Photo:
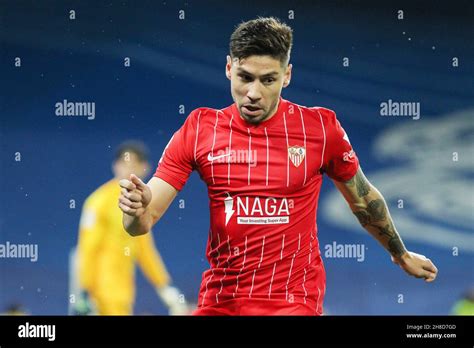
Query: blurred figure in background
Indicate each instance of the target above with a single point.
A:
(106, 253)
(465, 305)
(15, 309)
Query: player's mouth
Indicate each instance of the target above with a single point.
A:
(251, 110)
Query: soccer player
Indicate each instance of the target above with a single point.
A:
(107, 254)
(263, 159)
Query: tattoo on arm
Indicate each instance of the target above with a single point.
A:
(387, 230)
(363, 217)
(361, 184)
(376, 210)
(374, 216)
(395, 244)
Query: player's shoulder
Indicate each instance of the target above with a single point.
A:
(206, 113)
(320, 113)
(202, 111)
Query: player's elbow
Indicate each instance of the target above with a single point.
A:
(358, 206)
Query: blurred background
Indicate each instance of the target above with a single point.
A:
(176, 54)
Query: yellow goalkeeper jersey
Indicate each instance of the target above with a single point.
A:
(107, 253)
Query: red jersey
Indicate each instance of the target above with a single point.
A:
(263, 183)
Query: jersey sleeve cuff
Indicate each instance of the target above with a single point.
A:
(347, 175)
(176, 183)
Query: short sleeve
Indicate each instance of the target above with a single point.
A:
(177, 161)
(340, 162)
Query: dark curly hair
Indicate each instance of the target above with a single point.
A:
(262, 36)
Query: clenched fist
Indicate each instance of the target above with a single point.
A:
(417, 265)
(135, 196)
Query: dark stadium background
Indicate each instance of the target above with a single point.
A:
(181, 62)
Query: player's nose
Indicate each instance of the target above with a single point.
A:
(254, 93)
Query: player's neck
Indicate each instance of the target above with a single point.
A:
(273, 112)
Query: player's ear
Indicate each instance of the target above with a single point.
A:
(228, 66)
(287, 76)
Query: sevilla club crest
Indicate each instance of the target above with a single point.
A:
(296, 154)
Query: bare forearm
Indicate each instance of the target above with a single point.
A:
(375, 217)
(144, 204)
(137, 226)
(372, 212)
(369, 206)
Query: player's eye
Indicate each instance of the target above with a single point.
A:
(269, 80)
(245, 78)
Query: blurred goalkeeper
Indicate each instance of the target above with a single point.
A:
(106, 253)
